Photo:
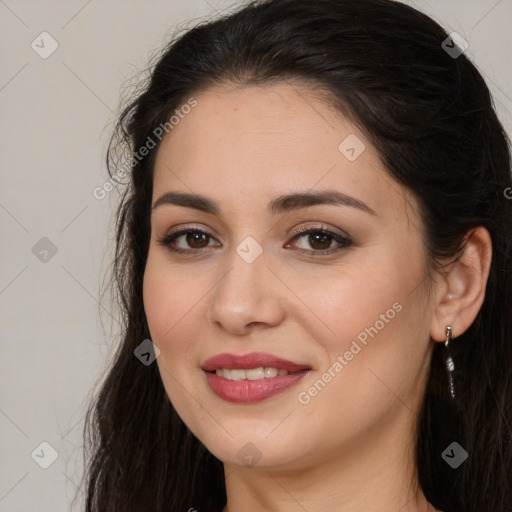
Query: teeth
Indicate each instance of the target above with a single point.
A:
(270, 372)
(254, 374)
(250, 374)
(236, 374)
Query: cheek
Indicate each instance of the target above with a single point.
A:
(174, 303)
(355, 305)
(373, 333)
(167, 304)
(159, 305)
(169, 296)
(373, 301)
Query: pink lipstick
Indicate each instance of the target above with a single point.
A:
(251, 377)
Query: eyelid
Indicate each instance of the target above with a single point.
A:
(319, 227)
(191, 227)
(293, 232)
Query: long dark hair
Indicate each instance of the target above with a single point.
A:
(430, 115)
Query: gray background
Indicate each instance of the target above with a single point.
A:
(56, 116)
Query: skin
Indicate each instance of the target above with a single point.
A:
(351, 447)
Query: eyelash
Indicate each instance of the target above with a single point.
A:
(344, 241)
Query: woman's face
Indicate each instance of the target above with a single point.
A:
(349, 308)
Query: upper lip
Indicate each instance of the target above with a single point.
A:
(252, 360)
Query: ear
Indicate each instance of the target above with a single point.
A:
(461, 288)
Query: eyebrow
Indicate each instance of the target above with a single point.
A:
(279, 205)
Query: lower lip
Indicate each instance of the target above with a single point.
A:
(250, 391)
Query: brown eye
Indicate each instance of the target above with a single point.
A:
(320, 240)
(193, 240)
(196, 239)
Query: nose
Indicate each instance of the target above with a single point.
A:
(247, 295)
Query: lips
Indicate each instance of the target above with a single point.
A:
(246, 390)
(252, 360)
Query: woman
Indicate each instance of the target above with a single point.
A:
(316, 248)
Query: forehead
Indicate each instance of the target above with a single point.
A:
(256, 121)
(239, 144)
